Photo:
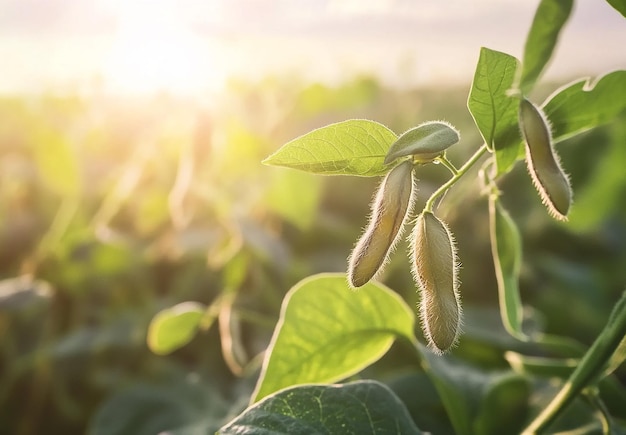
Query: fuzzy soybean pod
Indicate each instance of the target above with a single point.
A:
(435, 268)
(543, 163)
(390, 208)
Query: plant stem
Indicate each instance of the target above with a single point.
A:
(448, 164)
(589, 369)
(459, 173)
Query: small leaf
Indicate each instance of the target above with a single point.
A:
(550, 17)
(174, 327)
(361, 407)
(493, 110)
(584, 105)
(507, 254)
(354, 147)
(425, 142)
(327, 332)
(619, 5)
(541, 366)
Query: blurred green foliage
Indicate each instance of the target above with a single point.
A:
(111, 211)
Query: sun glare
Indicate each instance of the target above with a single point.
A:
(155, 49)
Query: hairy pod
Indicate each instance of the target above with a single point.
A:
(435, 268)
(543, 163)
(389, 211)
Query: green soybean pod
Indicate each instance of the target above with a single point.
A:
(435, 269)
(390, 209)
(543, 163)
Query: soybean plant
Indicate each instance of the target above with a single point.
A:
(328, 332)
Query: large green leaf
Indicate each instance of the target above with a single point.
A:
(354, 147)
(327, 332)
(174, 327)
(507, 254)
(542, 38)
(493, 110)
(619, 5)
(361, 407)
(584, 104)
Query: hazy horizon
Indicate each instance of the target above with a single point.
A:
(192, 47)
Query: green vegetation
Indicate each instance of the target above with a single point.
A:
(157, 278)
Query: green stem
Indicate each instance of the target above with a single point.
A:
(587, 371)
(448, 164)
(459, 173)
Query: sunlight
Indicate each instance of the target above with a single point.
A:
(155, 49)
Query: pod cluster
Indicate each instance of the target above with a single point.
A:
(434, 260)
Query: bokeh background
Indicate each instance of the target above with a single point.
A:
(131, 136)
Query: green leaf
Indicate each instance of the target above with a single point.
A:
(361, 407)
(426, 141)
(419, 395)
(507, 255)
(619, 5)
(541, 366)
(504, 405)
(584, 104)
(459, 386)
(550, 17)
(355, 147)
(174, 327)
(327, 332)
(617, 359)
(493, 110)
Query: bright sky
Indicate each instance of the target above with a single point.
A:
(192, 46)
